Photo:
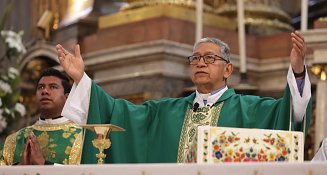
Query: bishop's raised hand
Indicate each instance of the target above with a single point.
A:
(298, 52)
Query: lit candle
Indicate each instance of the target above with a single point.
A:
(241, 35)
(198, 21)
(304, 15)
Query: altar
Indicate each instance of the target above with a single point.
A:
(306, 168)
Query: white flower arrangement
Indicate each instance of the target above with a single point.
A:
(13, 48)
(9, 95)
(14, 40)
(10, 108)
(20, 108)
(5, 88)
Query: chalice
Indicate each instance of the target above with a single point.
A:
(102, 141)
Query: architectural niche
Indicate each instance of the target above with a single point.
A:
(38, 58)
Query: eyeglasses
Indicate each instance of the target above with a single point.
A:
(208, 59)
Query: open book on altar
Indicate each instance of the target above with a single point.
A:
(221, 144)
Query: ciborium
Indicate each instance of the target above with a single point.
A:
(102, 141)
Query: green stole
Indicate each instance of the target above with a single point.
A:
(205, 116)
(60, 143)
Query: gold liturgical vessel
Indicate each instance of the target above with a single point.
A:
(102, 141)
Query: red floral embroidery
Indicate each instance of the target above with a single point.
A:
(228, 148)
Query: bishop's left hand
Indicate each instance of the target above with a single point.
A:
(298, 52)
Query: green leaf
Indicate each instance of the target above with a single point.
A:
(5, 14)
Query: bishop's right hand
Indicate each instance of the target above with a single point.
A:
(72, 64)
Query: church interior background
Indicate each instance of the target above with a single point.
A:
(137, 49)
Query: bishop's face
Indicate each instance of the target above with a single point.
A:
(209, 76)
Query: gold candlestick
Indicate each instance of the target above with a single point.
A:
(102, 141)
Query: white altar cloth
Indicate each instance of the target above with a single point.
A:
(306, 168)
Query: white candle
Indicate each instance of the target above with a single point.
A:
(304, 15)
(198, 21)
(241, 35)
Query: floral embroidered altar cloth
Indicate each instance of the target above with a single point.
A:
(222, 144)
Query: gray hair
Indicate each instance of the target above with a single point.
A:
(224, 48)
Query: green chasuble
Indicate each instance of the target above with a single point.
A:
(60, 143)
(156, 130)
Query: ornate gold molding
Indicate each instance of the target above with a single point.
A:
(133, 4)
(324, 19)
(164, 10)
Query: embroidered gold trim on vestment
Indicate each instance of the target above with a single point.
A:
(9, 148)
(187, 144)
(53, 127)
(75, 154)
